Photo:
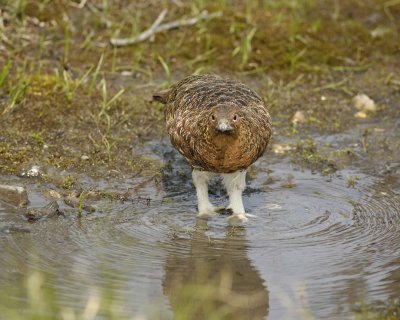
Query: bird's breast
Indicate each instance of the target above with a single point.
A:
(225, 153)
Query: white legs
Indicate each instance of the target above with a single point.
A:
(234, 183)
(200, 181)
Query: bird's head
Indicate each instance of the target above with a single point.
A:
(225, 119)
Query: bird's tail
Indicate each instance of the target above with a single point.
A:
(162, 96)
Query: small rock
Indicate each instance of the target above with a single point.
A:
(379, 32)
(50, 210)
(299, 117)
(53, 194)
(363, 103)
(281, 148)
(14, 195)
(71, 201)
(126, 73)
(360, 115)
(32, 172)
(85, 157)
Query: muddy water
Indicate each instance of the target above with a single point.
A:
(315, 247)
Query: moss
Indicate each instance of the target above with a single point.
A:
(293, 52)
(307, 154)
(68, 182)
(344, 153)
(378, 310)
(352, 181)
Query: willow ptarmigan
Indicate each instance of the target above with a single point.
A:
(221, 127)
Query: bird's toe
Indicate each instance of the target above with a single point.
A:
(210, 211)
(207, 212)
(219, 209)
(237, 219)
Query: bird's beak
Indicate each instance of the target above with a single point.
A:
(224, 126)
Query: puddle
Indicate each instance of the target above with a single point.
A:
(315, 246)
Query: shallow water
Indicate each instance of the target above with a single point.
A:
(316, 247)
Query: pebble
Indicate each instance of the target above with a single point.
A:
(34, 171)
(299, 117)
(360, 115)
(14, 195)
(281, 148)
(50, 210)
(364, 104)
(380, 32)
(126, 73)
(53, 194)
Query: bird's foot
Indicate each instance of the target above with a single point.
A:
(210, 211)
(239, 218)
(237, 215)
(235, 209)
(219, 209)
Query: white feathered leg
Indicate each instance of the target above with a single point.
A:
(200, 181)
(235, 183)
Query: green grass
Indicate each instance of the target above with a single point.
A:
(292, 52)
(352, 181)
(4, 72)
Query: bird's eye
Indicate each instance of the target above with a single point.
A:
(235, 117)
(212, 117)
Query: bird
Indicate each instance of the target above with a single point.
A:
(221, 127)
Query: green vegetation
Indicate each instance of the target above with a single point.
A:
(68, 182)
(352, 181)
(389, 310)
(307, 154)
(85, 96)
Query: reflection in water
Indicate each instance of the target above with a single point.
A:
(322, 246)
(215, 279)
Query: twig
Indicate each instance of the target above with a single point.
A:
(144, 35)
(188, 22)
(1, 20)
(79, 5)
(157, 27)
(96, 11)
(82, 4)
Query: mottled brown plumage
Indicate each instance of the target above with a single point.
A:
(218, 125)
(221, 127)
